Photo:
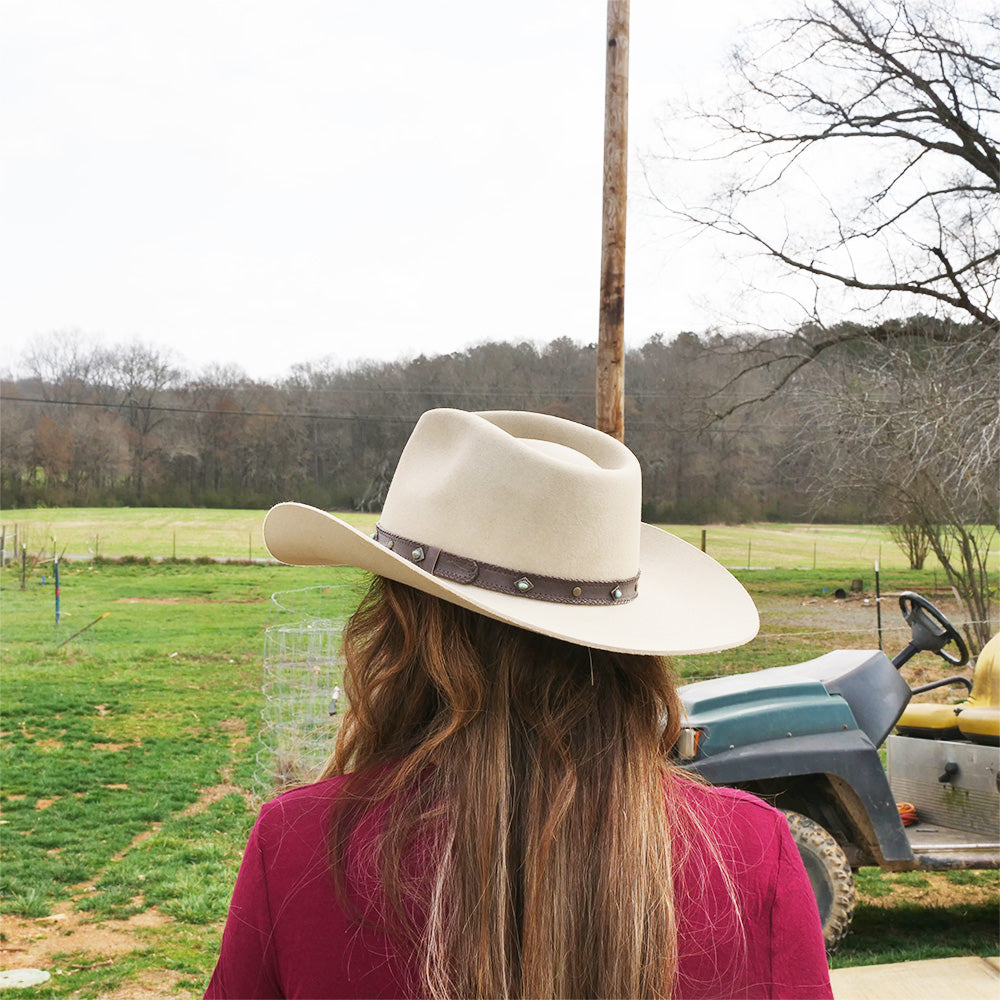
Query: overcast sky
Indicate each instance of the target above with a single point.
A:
(262, 183)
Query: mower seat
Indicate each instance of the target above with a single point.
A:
(932, 722)
(976, 719)
(979, 715)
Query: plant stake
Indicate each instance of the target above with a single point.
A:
(84, 629)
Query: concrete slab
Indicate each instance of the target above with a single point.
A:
(941, 978)
(16, 978)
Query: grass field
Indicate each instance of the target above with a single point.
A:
(130, 755)
(189, 533)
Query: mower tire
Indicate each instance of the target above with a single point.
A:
(830, 875)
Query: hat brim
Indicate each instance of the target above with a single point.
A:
(687, 602)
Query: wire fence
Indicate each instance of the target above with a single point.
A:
(301, 686)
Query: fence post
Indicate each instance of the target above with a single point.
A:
(878, 600)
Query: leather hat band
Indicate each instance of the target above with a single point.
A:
(459, 569)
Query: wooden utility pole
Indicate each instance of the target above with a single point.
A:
(611, 328)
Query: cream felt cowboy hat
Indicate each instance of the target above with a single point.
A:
(532, 520)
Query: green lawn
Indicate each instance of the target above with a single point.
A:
(155, 532)
(129, 752)
(130, 755)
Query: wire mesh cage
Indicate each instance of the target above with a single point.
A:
(302, 684)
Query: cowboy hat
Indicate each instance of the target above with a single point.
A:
(532, 520)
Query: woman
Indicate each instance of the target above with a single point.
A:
(500, 817)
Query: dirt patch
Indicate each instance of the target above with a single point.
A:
(138, 839)
(46, 803)
(855, 613)
(937, 892)
(31, 944)
(209, 796)
(237, 729)
(147, 986)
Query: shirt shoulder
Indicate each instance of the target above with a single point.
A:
(717, 805)
(303, 804)
(728, 830)
(291, 831)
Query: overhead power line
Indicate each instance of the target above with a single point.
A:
(157, 408)
(387, 418)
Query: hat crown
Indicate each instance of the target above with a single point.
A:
(522, 490)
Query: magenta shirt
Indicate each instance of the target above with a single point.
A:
(288, 936)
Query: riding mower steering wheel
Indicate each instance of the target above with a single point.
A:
(930, 631)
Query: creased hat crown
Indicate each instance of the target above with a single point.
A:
(525, 490)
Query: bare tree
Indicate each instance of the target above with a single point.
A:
(912, 430)
(138, 376)
(912, 540)
(861, 148)
(63, 363)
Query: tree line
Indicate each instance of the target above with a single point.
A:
(90, 426)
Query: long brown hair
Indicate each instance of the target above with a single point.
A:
(532, 771)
